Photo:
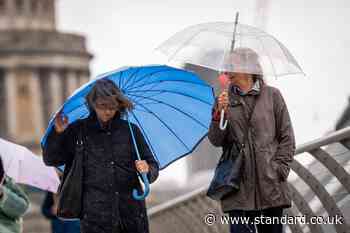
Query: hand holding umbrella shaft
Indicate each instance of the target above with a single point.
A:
(223, 101)
(142, 166)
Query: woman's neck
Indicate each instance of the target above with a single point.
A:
(104, 125)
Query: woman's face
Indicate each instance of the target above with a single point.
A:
(106, 109)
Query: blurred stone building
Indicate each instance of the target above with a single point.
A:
(39, 68)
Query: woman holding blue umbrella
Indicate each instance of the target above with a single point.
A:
(109, 166)
(153, 114)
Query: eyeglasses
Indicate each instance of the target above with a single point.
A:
(104, 107)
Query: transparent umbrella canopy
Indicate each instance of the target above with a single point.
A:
(231, 47)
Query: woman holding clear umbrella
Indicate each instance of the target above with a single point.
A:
(248, 113)
(268, 147)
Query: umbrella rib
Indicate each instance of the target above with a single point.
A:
(76, 108)
(277, 74)
(159, 71)
(156, 92)
(120, 77)
(177, 109)
(165, 124)
(145, 135)
(273, 67)
(173, 92)
(183, 81)
(131, 78)
(180, 47)
(148, 75)
(284, 52)
(151, 95)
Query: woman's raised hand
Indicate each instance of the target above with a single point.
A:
(61, 122)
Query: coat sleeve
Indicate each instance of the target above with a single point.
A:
(285, 137)
(14, 202)
(216, 136)
(147, 155)
(59, 148)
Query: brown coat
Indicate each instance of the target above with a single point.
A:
(263, 184)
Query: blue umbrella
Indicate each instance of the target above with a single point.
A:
(172, 110)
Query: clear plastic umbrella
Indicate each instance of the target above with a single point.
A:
(231, 47)
(210, 45)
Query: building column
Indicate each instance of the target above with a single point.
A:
(11, 11)
(83, 78)
(3, 104)
(25, 106)
(10, 85)
(34, 89)
(55, 86)
(72, 82)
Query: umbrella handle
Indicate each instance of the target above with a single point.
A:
(145, 181)
(222, 124)
(135, 193)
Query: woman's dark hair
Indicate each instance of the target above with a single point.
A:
(2, 170)
(107, 89)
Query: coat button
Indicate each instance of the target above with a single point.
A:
(112, 162)
(108, 133)
(117, 193)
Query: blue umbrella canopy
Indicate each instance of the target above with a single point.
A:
(172, 108)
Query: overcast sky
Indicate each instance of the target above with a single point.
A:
(125, 32)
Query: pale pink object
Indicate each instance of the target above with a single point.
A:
(25, 167)
(224, 82)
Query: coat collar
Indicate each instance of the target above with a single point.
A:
(95, 124)
(235, 97)
(255, 90)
